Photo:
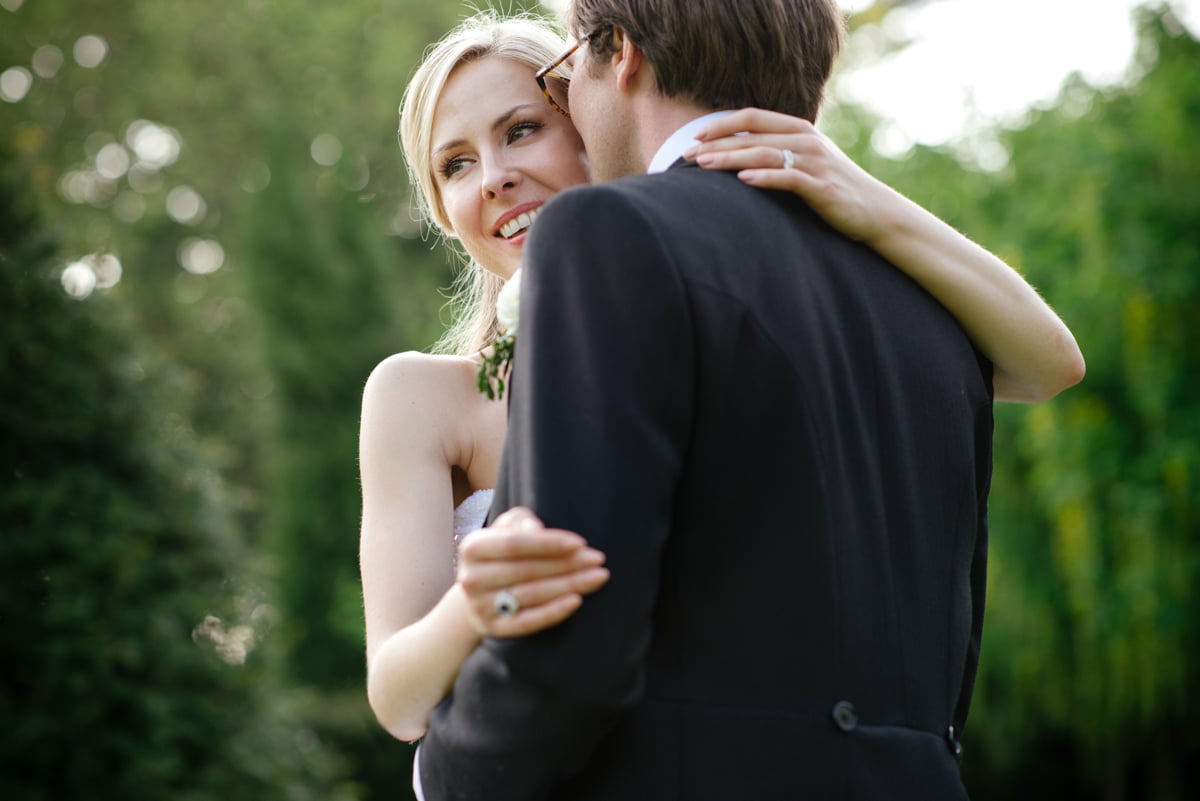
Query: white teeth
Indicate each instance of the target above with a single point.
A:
(518, 224)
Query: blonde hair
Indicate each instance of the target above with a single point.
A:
(525, 39)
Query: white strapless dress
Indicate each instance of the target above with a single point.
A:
(470, 514)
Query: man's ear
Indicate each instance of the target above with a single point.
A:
(627, 60)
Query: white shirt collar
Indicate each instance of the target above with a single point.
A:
(681, 140)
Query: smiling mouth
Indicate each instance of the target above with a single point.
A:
(519, 224)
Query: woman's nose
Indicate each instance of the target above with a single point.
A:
(498, 178)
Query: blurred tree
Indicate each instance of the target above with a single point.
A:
(144, 124)
(147, 128)
(1091, 662)
(132, 615)
(324, 284)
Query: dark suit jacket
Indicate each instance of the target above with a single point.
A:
(783, 445)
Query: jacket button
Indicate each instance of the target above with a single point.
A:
(953, 742)
(844, 716)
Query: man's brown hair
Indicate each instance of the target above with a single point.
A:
(724, 54)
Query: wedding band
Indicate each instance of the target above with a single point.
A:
(506, 604)
(789, 159)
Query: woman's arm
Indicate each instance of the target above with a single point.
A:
(1034, 353)
(421, 623)
(418, 633)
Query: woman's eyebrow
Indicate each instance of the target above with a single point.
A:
(499, 122)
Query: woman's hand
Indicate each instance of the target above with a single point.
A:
(545, 571)
(1034, 353)
(843, 193)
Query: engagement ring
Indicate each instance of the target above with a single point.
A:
(506, 604)
(789, 159)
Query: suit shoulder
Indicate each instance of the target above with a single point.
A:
(603, 219)
(641, 193)
(582, 203)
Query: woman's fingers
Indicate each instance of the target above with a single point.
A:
(521, 577)
(840, 191)
(536, 604)
(505, 543)
(752, 158)
(530, 621)
(529, 594)
(518, 517)
(756, 120)
(762, 167)
(518, 534)
(810, 159)
(804, 146)
(483, 575)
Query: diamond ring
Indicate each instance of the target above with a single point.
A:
(506, 604)
(789, 159)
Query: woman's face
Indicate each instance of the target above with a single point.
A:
(499, 152)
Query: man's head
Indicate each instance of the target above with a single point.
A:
(722, 54)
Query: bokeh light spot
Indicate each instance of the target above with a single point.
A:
(990, 155)
(184, 205)
(154, 145)
(112, 161)
(326, 150)
(357, 178)
(201, 256)
(90, 51)
(76, 186)
(47, 61)
(79, 280)
(231, 643)
(15, 83)
(221, 313)
(11, 5)
(892, 140)
(107, 268)
(102, 191)
(255, 177)
(96, 141)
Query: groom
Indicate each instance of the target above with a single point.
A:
(781, 443)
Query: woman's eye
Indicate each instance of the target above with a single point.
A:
(522, 130)
(452, 167)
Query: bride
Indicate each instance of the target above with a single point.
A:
(486, 149)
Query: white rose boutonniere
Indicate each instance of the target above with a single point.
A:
(498, 364)
(508, 305)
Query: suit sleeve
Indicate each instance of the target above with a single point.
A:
(600, 415)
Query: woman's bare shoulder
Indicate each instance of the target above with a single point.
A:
(417, 397)
(417, 374)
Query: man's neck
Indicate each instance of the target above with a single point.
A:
(658, 118)
(678, 142)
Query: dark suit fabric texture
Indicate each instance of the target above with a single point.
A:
(783, 446)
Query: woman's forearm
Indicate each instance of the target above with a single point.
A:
(1034, 353)
(415, 668)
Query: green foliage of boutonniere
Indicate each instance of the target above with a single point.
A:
(497, 365)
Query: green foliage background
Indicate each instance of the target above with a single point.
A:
(179, 607)
(128, 595)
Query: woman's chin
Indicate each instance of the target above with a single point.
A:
(505, 268)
